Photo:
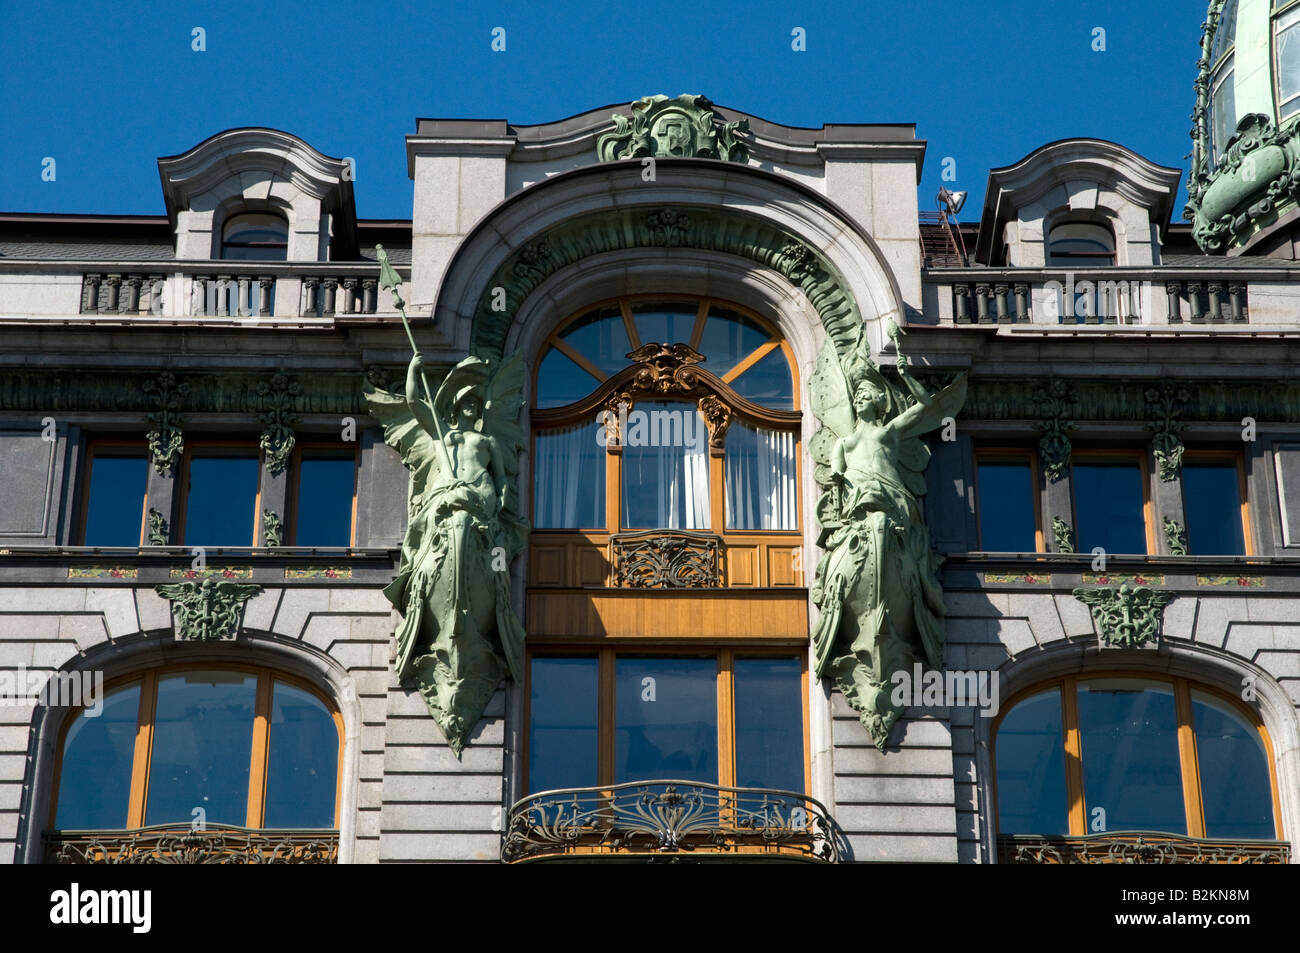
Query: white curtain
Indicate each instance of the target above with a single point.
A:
(760, 475)
(569, 479)
(666, 468)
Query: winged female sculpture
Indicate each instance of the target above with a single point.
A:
(459, 635)
(876, 587)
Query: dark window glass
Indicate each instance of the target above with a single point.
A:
(768, 382)
(666, 723)
(1236, 793)
(560, 381)
(115, 507)
(1131, 768)
(1212, 507)
(1031, 768)
(1223, 111)
(1082, 244)
(1108, 506)
(769, 723)
(728, 336)
(665, 467)
(202, 746)
(219, 510)
(325, 486)
(1007, 499)
(255, 237)
(601, 337)
(302, 760)
(664, 323)
(98, 754)
(562, 739)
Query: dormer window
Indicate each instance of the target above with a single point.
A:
(1080, 245)
(255, 236)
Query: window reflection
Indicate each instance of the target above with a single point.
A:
(1109, 505)
(116, 498)
(1007, 501)
(1212, 508)
(666, 722)
(324, 504)
(302, 760)
(95, 778)
(562, 737)
(1236, 789)
(769, 723)
(221, 502)
(1031, 768)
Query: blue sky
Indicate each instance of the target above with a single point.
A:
(107, 88)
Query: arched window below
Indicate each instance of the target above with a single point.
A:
(1122, 756)
(255, 236)
(229, 750)
(1080, 245)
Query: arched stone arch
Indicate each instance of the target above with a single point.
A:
(691, 208)
(126, 655)
(1175, 657)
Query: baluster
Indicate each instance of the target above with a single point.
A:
(1194, 302)
(113, 283)
(982, 303)
(131, 300)
(1000, 302)
(349, 296)
(265, 291)
(1236, 300)
(309, 286)
(1021, 291)
(1174, 296)
(90, 294)
(331, 289)
(1216, 307)
(369, 287)
(199, 295)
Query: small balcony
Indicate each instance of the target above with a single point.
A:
(180, 844)
(1138, 847)
(669, 821)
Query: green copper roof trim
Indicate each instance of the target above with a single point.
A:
(1257, 178)
(681, 128)
(687, 227)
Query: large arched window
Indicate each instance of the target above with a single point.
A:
(666, 414)
(1116, 754)
(199, 746)
(255, 236)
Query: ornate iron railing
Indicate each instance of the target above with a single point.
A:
(1138, 847)
(670, 820)
(178, 844)
(675, 559)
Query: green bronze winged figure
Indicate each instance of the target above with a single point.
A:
(459, 634)
(876, 587)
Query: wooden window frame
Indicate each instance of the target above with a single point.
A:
(1236, 457)
(139, 790)
(1148, 507)
(1011, 454)
(202, 448)
(320, 450)
(606, 656)
(93, 448)
(613, 455)
(1066, 688)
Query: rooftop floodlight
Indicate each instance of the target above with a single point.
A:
(952, 201)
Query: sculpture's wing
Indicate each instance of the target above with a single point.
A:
(833, 406)
(238, 591)
(404, 434)
(504, 400)
(913, 454)
(174, 591)
(1092, 597)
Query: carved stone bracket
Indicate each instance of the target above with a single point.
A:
(680, 128)
(1056, 403)
(1063, 535)
(1168, 399)
(272, 529)
(157, 527)
(279, 395)
(208, 610)
(718, 416)
(678, 559)
(166, 441)
(1176, 537)
(1126, 616)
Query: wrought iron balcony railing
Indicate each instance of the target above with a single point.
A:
(1138, 847)
(667, 559)
(652, 820)
(179, 844)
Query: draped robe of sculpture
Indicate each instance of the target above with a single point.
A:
(459, 634)
(876, 587)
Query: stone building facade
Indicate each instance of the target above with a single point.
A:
(1116, 502)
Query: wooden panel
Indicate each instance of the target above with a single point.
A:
(593, 565)
(742, 565)
(780, 566)
(546, 565)
(716, 615)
